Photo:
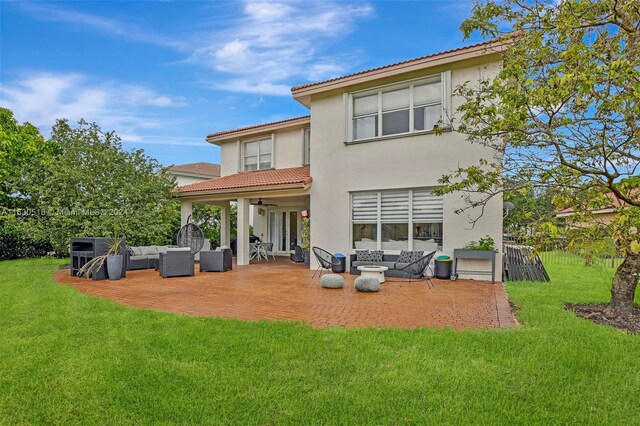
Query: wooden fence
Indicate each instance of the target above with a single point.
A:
(558, 251)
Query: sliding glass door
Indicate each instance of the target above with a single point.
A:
(284, 229)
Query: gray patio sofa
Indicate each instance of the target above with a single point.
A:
(144, 257)
(388, 260)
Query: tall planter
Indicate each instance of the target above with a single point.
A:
(114, 266)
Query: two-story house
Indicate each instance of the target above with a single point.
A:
(363, 164)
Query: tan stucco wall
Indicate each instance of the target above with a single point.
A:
(288, 147)
(288, 152)
(229, 158)
(182, 180)
(405, 162)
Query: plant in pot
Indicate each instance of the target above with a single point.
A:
(484, 244)
(113, 259)
(484, 249)
(305, 245)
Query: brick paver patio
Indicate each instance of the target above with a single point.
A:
(282, 290)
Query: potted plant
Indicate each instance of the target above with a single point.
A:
(483, 249)
(114, 261)
(305, 245)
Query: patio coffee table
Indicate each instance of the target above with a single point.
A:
(373, 271)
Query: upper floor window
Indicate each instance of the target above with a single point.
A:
(306, 147)
(257, 155)
(406, 108)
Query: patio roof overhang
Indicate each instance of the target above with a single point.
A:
(274, 182)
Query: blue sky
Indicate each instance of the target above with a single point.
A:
(165, 74)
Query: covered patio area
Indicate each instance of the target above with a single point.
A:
(282, 290)
(274, 197)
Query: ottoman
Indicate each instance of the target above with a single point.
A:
(367, 284)
(332, 281)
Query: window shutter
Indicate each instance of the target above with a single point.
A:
(427, 207)
(395, 206)
(365, 207)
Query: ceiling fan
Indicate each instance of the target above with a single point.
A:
(261, 204)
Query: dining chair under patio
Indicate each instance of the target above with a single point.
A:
(267, 249)
(325, 260)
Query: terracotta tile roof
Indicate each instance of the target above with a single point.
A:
(201, 168)
(615, 202)
(262, 179)
(407, 62)
(257, 126)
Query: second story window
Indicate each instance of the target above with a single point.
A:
(257, 154)
(399, 109)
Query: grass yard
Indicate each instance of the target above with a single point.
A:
(69, 358)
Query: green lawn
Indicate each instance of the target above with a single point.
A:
(69, 358)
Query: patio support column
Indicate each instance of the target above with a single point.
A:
(225, 224)
(186, 208)
(243, 231)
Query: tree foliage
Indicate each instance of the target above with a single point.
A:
(21, 147)
(208, 218)
(562, 115)
(96, 188)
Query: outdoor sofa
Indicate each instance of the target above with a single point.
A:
(144, 257)
(388, 260)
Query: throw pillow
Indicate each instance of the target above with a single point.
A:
(417, 255)
(363, 256)
(376, 255)
(405, 256)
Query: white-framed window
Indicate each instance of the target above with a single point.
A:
(306, 146)
(403, 219)
(257, 154)
(406, 108)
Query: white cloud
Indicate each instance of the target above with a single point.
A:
(41, 98)
(135, 139)
(266, 50)
(274, 44)
(48, 12)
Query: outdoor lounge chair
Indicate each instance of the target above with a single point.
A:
(176, 263)
(417, 269)
(325, 260)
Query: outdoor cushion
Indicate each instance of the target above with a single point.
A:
(179, 249)
(367, 284)
(147, 250)
(390, 265)
(332, 281)
(162, 249)
(138, 257)
(363, 255)
(376, 255)
(409, 256)
(137, 251)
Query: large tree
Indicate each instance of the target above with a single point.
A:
(22, 148)
(96, 188)
(562, 115)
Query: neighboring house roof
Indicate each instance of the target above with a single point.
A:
(303, 92)
(295, 177)
(259, 128)
(615, 203)
(200, 169)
